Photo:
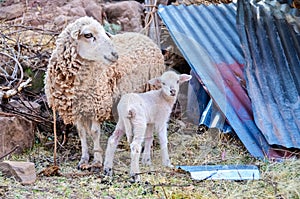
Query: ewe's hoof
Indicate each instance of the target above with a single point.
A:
(96, 167)
(83, 166)
(107, 171)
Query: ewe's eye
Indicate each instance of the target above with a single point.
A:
(177, 81)
(88, 35)
(163, 83)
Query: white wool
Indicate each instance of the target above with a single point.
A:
(88, 71)
(139, 115)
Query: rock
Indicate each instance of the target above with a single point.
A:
(25, 107)
(11, 12)
(78, 8)
(128, 14)
(15, 130)
(24, 172)
(93, 10)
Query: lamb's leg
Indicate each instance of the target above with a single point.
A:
(136, 147)
(83, 164)
(96, 133)
(163, 139)
(146, 158)
(111, 148)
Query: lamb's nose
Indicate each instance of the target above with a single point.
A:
(115, 54)
(173, 92)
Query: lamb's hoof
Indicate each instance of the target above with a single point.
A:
(107, 171)
(83, 166)
(135, 178)
(96, 167)
(170, 166)
(146, 162)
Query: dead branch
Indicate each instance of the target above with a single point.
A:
(17, 65)
(10, 152)
(55, 136)
(11, 92)
(35, 118)
(7, 114)
(32, 28)
(152, 28)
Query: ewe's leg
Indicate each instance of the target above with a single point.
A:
(146, 158)
(136, 147)
(163, 139)
(84, 147)
(111, 148)
(96, 133)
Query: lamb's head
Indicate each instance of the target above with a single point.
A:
(169, 82)
(93, 43)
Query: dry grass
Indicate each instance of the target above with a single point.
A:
(278, 179)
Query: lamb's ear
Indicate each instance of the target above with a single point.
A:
(184, 77)
(155, 81)
(75, 34)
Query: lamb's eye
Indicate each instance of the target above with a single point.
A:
(163, 83)
(108, 34)
(177, 81)
(88, 35)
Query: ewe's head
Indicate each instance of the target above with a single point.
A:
(93, 43)
(169, 82)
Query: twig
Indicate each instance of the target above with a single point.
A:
(164, 192)
(31, 117)
(8, 94)
(10, 152)
(8, 114)
(47, 32)
(28, 188)
(151, 21)
(55, 136)
(18, 64)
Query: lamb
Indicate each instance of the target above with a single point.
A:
(88, 72)
(141, 114)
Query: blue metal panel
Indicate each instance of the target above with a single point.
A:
(220, 172)
(208, 39)
(270, 38)
(213, 117)
(197, 102)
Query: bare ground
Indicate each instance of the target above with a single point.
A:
(186, 146)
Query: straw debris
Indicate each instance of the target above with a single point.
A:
(278, 179)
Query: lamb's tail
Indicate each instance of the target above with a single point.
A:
(131, 114)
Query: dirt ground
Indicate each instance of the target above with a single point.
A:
(186, 146)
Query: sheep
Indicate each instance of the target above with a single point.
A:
(139, 115)
(88, 72)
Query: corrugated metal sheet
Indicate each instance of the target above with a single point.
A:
(202, 110)
(208, 39)
(270, 36)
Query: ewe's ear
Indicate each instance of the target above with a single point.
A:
(155, 81)
(75, 34)
(184, 77)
